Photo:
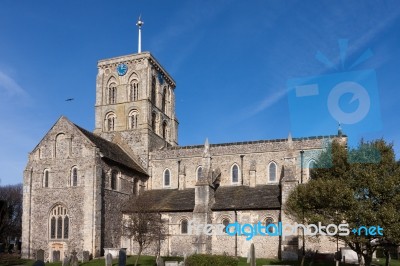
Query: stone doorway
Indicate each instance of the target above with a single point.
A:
(56, 252)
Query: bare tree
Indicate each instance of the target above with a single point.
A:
(143, 226)
(10, 212)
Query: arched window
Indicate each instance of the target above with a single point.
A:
(74, 177)
(225, 222)
(167, 178)
(269, 221)
(153, 121)
(59, 222)
(164, 130)
(110, 121)
(153, 90)
(134, 90)
(66, 227)
(164, 100)
(235, 174)
(53, 227)
(272, 172)
(46, 176)
(59, 227)
(112, 93)
(311, 165)
(199, 172)
(133, 119)
(184, 226)
(114, 180)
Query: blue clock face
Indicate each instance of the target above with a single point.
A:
(122, 69)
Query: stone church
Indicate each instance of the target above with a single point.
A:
(76, 182)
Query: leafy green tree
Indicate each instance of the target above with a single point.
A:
(360, 187)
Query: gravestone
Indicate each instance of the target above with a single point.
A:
(40, 254)
(251, 258)
(171, 263)
(349, 256)
(38, 263)
(85, 256)
(66, 261)
(159, 261)
(74, 259)
(108, 260)
(122, 257)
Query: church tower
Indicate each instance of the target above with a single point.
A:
(135, 103)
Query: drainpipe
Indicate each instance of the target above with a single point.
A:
(179, 170)
(241, 167)
(236, 235)
(301, 162)
(159, 238)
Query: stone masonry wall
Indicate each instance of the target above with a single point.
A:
(61, 149)
(257, 156)
(113, 201)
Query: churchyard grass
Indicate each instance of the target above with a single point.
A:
(150, 261)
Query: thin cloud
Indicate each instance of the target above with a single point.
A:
(10, 87)
(267, 102)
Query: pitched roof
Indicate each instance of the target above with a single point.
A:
(226, 198)
(112, 151)
(165, 200)
(247, 198)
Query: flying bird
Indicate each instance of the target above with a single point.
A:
(70, 99)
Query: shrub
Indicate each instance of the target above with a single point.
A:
(211, 260)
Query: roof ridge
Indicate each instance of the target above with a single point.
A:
(112, 150)
(253, 142)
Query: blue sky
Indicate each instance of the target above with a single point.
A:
(232, 62)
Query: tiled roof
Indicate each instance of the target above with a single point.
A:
(165, 200)
(247, 198)
(226, 198)
(112, 151)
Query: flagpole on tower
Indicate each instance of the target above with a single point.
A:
(140, 24)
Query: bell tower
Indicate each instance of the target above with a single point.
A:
(135, 102)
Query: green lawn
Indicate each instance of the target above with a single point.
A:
(150, 261)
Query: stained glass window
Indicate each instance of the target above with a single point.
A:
(272, 172)
(74, 177)
(114, 176)
(53, 228)
(66, 227)
(235, 174)
(167, 178)
(59, 223)
(199, 171)
(46, 178)
(184, 226)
